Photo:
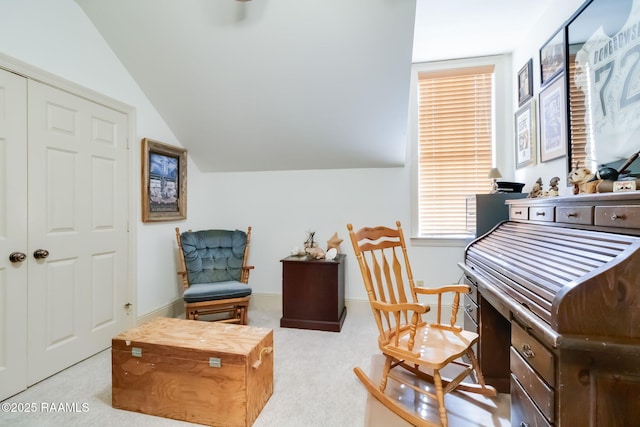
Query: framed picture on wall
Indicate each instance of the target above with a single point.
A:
(525, 83)
(552, 57)
(164, 182)
(525, 131)
(553, 120)
(603, 82)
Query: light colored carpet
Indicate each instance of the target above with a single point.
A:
(314, 383)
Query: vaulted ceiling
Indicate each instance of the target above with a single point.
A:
(303, 84)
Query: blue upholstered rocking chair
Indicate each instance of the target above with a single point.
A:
(215, 274)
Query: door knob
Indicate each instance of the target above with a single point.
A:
(40, 253)
(17, 257)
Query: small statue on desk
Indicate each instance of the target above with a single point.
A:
(553, 186)
(536, 191)
(583, 180)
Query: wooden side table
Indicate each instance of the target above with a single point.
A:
(313, 293)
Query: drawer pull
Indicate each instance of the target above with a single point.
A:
(571, 214)
(467, 308)
(527, 351)
(540, 213)
(518, 212)
(615, 217)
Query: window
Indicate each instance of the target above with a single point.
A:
(455, 145)
(578, 156)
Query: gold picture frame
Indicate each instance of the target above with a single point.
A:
(164, 182)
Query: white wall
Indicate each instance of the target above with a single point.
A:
(549, 23)
(56, 36)
(281, 206)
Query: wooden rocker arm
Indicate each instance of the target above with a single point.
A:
(246, 270)
(394, 308)
(457, 290)
(463, 289)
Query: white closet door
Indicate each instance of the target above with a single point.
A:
(13, 233)
(78, 212)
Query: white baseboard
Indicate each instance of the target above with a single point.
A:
(362, 307)
(173, 309)
(266, 301)
(274, 302)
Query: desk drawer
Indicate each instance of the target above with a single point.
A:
(523, 411)
(542, 213)
(471, 308)
(519, 212)
(469, 323)
(473, 290)
(618, 216)
(534, 353)
(575, 214)
(535, 387)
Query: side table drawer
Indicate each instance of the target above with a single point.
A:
(618, 216)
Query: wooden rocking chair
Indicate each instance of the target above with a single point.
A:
(405, 339)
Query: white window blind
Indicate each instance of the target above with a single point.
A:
(455, 109)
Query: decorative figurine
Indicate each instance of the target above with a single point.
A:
(582, 180)
(310, 242)
(334, 242)
(536, 191)
(315, 252)
(553, 186)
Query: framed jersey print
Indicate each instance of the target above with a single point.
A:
(603, 69)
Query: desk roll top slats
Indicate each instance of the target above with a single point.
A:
(561, 282)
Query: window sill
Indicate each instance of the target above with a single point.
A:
(442, 241)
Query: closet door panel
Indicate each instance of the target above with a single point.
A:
(78, 212)
(13, 233)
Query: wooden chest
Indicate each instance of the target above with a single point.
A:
(202, 372)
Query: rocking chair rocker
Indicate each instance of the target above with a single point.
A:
(422, 349)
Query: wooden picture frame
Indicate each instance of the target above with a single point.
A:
(525, 83)
(164, 182)
(602, 76)
(525, 131)
(552, 57)
(553, 120)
